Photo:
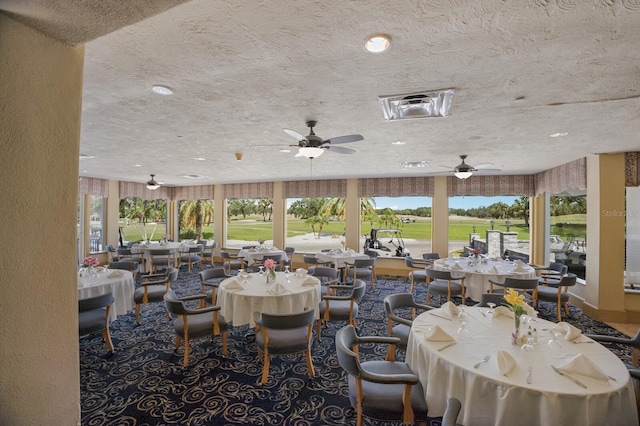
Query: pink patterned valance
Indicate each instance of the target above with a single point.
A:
(632, 169)
(491, 186)
(396, 187)
(139, 190)
(315, 188)
(572, 175)
(201, 192)
(248, 191)
(93, 186)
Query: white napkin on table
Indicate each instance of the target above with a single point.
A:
(503, 311)
(450, 310)
(301, 272)
(456, 267)
(521, 266)
(494, 270)
(279, 289)
(115, 274)
(581, 364)
(234, 285)
(505, 362)
(310, 282)
(437, 334)
(567, 330)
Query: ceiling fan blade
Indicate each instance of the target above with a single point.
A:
(344, 139)
(295, 134)
(481, 165)
(485, 171)
(339, 149)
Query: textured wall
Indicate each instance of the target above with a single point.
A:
(40, 108)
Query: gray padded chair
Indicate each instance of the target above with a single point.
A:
(153, 288)
(362, 269)
(487, 298)
(211, 278)
(341, 304)
(526, 286)
(125, 254)
(382, 390)
(279, 334)
(557, 291)
(160, 259)
(93, 317)
(193, 323)
(192, 257)
(290, 252)
(430, 257)
(208, 251)
(231, 263)
(418, 275)
(327, 276)
(311, 262)
(443, 284)
(400, 309)
(125, 265)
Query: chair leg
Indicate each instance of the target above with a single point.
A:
(566, 308)
(138, 313)
(185, 361)
(265, 367)
(391, 353)
(106, 336)
(312, 372)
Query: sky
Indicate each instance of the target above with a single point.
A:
(466, 202)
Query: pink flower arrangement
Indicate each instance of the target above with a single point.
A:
(476, 251)
(89, 261)
(270, 264)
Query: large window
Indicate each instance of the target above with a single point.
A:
(249, 222)
(569, 232)
(96, 224)
(142, 220)
(632, 249)
(314, 224)
(195, 219)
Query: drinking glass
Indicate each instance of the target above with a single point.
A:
(261, 272)
(554, 345)
(491, 313)
(528, 352)
(463, 331)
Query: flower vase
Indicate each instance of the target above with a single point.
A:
(271, 276)
(516, 338)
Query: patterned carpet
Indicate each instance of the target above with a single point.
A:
(144, 383)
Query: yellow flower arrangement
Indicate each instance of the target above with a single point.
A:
(517, 305)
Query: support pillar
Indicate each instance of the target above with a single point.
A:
(440, 217)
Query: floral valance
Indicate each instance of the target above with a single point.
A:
(201, 192)
(632, 168)
(139, 190)
(396, 187)
(568, 176)
(315, 188)
(93, 186)
(248, 191)
(491, 186)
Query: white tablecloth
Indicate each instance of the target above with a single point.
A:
(122, 288)
(340, 258)
(251, 255)
(477, 276)
(174, 247)
(238, 306)
(489, 398)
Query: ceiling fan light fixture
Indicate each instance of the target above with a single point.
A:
(310, 152)
(416, 105)
(463, 174)
(152, 184)
(377, 43)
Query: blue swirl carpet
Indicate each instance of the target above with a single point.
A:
(144, 383)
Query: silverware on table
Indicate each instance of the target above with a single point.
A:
(446, 346)
(485, 359)
(573, 379)
(529, 370)
(483, 313)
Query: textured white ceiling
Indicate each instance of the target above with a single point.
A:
(242, 72)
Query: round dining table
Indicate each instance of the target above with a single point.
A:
(119, 282)
(478, 273)
(252, 255)
(239, 297)
(469, 370)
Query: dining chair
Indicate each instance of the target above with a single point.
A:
(495, 298)
(379, 389)
(525, 286)
(93, 317)
(443, 284)
(232, 263)
(280, 334)
(364, 269)
(341, 303)
(430, 257)
(400, 310)
(161, 258)
(371, 253)
(125, 253)
(191, 323)
(192, 256)
(311, 262)
(125, 265)
(211, 278)
(556, 291)
(327, 276)
(208, 251)
(417, 275)
(290, 252)
(153, 288)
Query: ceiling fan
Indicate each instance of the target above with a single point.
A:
(464, 170)
(312, 146)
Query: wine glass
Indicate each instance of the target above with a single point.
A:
(491, 313)
(554, 345)
(261, 272)
(463, 331)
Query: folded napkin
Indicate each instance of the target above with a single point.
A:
(505, 362)
(494, 270)
(279, 289)
(521, 266)
(182, 245)
(310, 282)
(233, 285)
(115, 274)
(503, 311)
(350, 252)
(581, 364)
(450, 310)
(437, 334)
(567, 330)
(301, 272)
(456, 267)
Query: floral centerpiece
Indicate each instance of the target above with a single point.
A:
(476, 252)
(270, 265)
(165, 239)
(90, 262)
(517, 305)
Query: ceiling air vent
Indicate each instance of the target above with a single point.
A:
(416, 105)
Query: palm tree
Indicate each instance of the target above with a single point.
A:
(145, 212)
(265, 206)
(318, 220)
(336, 207)
(194, 214)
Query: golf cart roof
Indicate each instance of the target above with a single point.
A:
(396, 231)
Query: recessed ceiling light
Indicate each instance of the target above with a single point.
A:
(200, 159)
(162, 90)
(285, 150)
(414, 164)
(86, 157)
(558, 135)
(377, 43)
(192, 176)
(137, 165)
(398, 143)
